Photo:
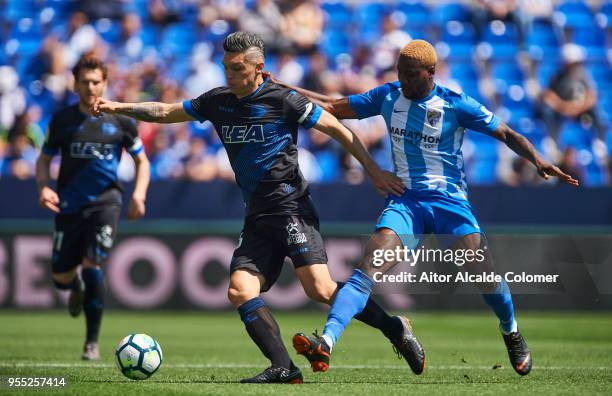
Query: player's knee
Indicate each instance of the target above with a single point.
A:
(88, 263)
(238, 296)
(322, 292)
(63, 280)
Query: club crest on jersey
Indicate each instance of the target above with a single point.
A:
(243, 133)
(433, 117)
(294, 236)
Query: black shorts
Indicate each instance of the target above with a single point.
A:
(266, 241)
(87, 234)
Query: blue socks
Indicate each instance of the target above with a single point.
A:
(93, 301)
(350, 301)
(501, 303)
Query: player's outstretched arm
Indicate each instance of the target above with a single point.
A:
(47, 197)
(136, 208)
(385, 182)
(338, 107)
(164, 113)
(523, 147)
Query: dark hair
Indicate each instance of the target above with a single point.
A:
(241, 41)
(89, 62)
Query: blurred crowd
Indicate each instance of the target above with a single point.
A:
(542, 66)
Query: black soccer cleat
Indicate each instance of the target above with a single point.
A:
(518, 351)
(75, 300)
(408, 347)
(314, 348)
(276, 375)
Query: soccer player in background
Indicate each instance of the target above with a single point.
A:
(88, 199)
(257, 122)
(426, 123)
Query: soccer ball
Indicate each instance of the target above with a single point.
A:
(138, 356)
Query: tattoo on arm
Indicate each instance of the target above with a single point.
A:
(147, 111)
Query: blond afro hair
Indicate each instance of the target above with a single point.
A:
(419, 51)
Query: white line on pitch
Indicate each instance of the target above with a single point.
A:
(241, 365)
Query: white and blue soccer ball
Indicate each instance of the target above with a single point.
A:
(138, 356)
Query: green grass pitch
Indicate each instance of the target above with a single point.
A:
(207, 353)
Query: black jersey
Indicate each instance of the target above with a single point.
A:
(91, 148)
(259, 133)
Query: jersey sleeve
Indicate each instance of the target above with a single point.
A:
(131, 140)
(369, 104)
(475, 116)
(199, 108)
(298, 108)
(52, 142)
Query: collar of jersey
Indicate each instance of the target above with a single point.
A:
(256, 91)
(431, 95)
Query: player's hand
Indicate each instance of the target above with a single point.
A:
(388, 183)
(136, 209)
(546, 170)
(49, 199)
(101, 105)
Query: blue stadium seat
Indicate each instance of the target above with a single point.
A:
(150, 34)
(27, 29)
(179, 71)
(505, 74)
(17, 9)
(575, 14)
(338, 14)
(546, 70)
(461, 39)
(177, 40)
(606, 14)
(519, 108)
(367, 15)
(542, 42)
(108, 29)
(452, 11)
(335, 42)
(602, 73)
(593, 40)
(482, 166)
(604, 105)
(464, 71)
(62, 9)
(140, 7)
(417, 14)
(575, 135)
(503, 39)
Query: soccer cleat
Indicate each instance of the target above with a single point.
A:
(314, 348)
(408, 347)
(518, 351)
(276, 375)
(75, 300)
(91, 351)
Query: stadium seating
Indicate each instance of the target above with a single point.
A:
(476, 53)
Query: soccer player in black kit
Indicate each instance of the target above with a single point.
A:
(88, 198)
(257, 122)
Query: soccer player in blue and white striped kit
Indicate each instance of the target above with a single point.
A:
(426, 124)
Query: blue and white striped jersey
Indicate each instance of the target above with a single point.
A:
(426, 135)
